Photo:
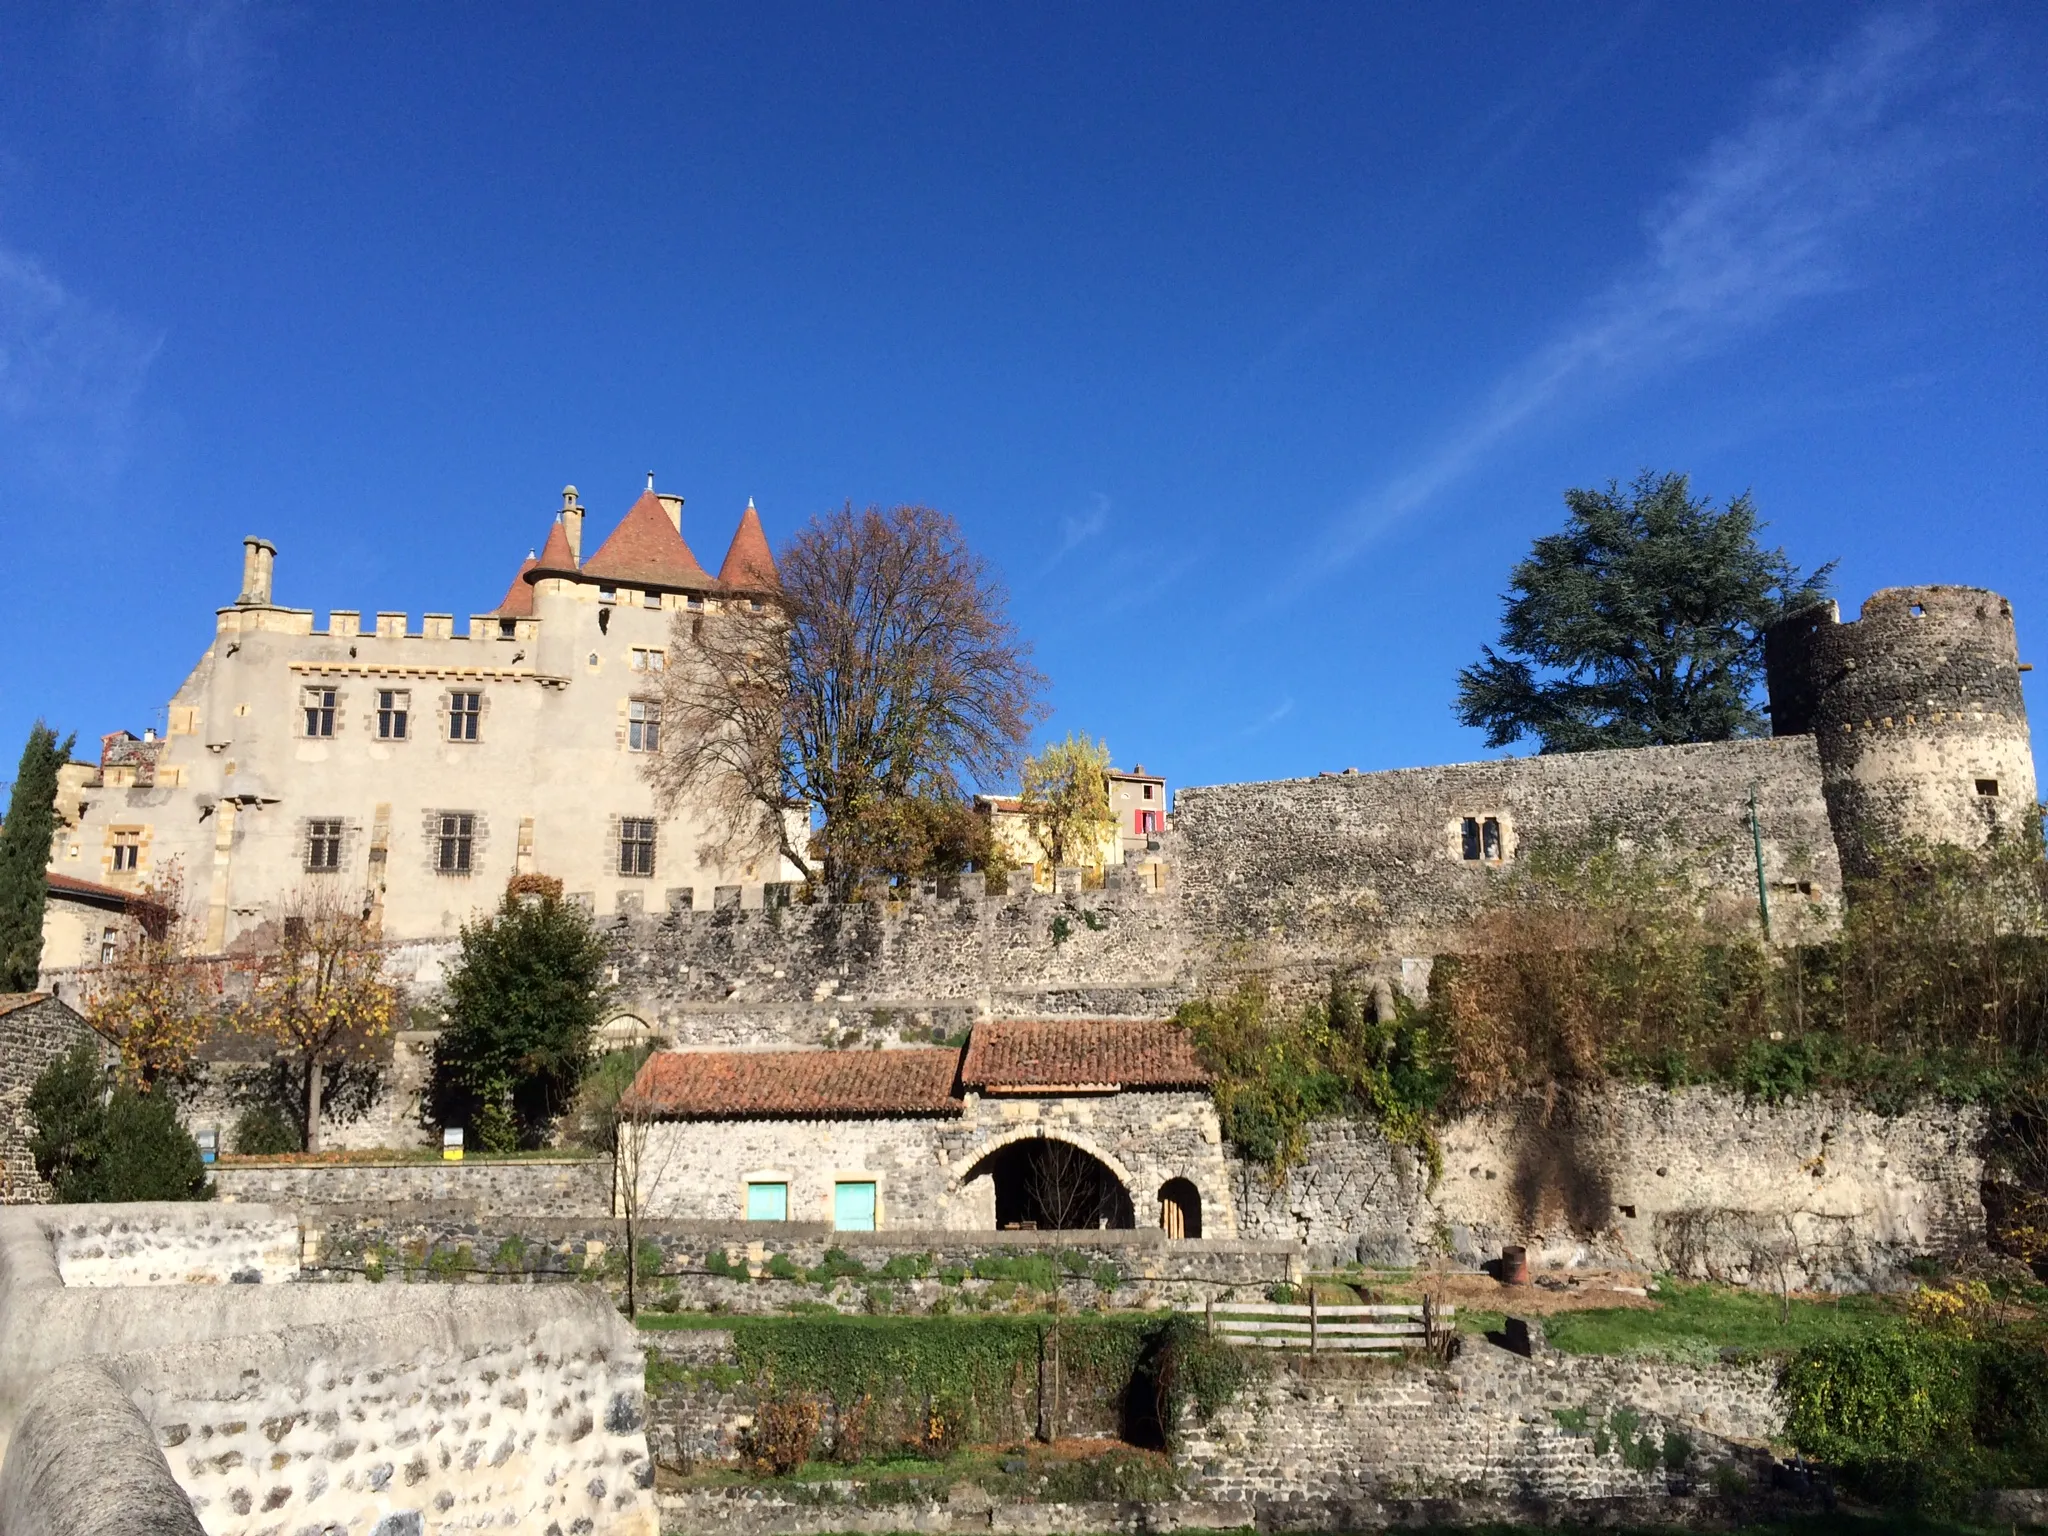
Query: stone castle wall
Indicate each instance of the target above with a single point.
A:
(32, 1035)
(1357, 867)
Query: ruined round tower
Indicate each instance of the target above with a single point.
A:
(1917, 713)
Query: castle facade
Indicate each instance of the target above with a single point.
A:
(414, 769)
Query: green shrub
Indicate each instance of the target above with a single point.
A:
(264, 1130)
(907, 1266)
(1034, 1270)
(719, 1262)
(837, 1265)
(95, 1146)
(782, 1267)
(1920, 1418)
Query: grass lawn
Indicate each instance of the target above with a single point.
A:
(1696, 1322)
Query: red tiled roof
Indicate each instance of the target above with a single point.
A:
(646, 550)
(748, 564)
(1077, 1053)
(78, 887)
(747, 1085)
(555, 558)
(518, 603)
(9, 1001)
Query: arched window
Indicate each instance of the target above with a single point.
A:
(1180, 1209)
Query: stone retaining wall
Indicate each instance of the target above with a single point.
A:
(1818, 1192)
(536, 1186)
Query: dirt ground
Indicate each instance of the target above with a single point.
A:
(1548, 1291)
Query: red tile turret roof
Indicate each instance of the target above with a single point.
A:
(801, 1085)
(646, 550)
(556, 558)
(748, 563)
(1017, 1054)
(518, 603)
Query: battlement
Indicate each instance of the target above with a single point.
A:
(347, 624)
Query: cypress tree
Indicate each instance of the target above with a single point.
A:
(25, 856)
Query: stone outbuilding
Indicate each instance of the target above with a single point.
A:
(35, 1029)
(1048, 1124)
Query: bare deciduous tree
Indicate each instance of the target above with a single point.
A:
(154, 999)
(886, 668)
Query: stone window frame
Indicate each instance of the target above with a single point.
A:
(648, 726)
(343, 843)
(649, 659)
(402, 710)
(431, 834)
(1482, 838)
(476, 716)
(616, 834)
(330, 713)
(129, 840)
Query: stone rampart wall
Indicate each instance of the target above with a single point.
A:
(170, 1244)
(1353, 867)
(31, 1037)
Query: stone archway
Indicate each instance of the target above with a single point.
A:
(1048, 1183)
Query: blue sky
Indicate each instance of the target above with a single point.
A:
(1253, 344)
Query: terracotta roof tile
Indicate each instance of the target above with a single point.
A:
(646, 550)
(555, 557)
(805, 1085)
(518, 603)
(748, 564)
(9, 1001)
(1015, 1054)
(89, 888)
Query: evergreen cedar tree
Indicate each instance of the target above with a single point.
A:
(880, 674)
(1640, 625)
(25, 856)
(94, 1146)
(524, 1003)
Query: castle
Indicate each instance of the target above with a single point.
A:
(412, 768)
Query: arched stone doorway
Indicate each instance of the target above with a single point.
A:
(1180, 1209)
(1047, 1184)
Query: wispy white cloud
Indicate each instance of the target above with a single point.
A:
(71, 376)
(1076, 531)
(1757, 225)
(214, 57)
(1269, 719)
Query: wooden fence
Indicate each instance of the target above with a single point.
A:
(1318, 1326)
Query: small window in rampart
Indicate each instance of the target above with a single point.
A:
(650, 600)
(1988, 788)
(1918, 611)
(1468, 839)
(1489, 840)
(607, 594)
(508, 629)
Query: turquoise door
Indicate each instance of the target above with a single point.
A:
(853, 1207)
(767, 1202)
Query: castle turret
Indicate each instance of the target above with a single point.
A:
(1917, 713)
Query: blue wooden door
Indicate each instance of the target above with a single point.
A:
(853, 1207)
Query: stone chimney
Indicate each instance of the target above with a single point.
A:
(673, 506)
(259, 556)
(572, 522)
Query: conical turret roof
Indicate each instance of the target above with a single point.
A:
(518, 603)
(556, 559)
(748, 563)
